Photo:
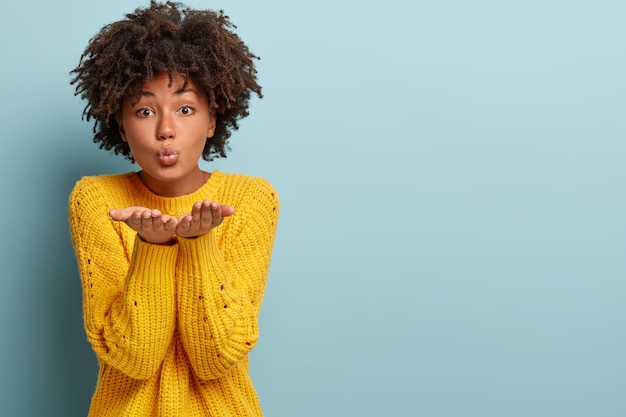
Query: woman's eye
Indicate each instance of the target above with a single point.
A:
(144, 112)
(186, 110)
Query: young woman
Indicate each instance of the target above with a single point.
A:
(173, 260)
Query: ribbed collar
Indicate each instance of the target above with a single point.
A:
(173, 205)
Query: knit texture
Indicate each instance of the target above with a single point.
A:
(172, 325)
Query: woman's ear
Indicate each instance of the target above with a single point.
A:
(212, 124)
(120, 124)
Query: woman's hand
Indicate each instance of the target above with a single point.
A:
(205, 216)
(158, 228)
(151, 225)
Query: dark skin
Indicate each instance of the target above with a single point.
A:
(158, 228)
(169, 117)
(167, 38)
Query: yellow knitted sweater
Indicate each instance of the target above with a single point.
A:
(172, 325)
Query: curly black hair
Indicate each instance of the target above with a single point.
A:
(166, 38)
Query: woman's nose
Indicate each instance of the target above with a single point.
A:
(166, 128)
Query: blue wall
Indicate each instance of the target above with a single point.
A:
(452, 182)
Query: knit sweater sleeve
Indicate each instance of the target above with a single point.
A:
(221, 283)
(128, 294)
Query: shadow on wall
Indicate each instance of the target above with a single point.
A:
(61, 367)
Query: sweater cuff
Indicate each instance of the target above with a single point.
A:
(151, 262)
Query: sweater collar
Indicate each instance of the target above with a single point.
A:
(175, 206)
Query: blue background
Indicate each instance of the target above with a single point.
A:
(452, 184)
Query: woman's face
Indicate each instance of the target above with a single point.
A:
(166, 132)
